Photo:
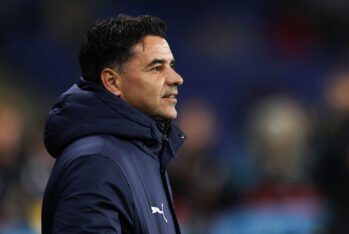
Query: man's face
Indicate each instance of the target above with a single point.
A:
(148, 81)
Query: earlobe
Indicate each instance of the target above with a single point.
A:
(111, 81)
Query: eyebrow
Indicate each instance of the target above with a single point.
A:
(158, 61)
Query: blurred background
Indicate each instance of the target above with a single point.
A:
(265, 106)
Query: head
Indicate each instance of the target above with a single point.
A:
(279, 131)
(130, 57)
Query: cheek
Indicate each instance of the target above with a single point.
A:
(154, 89)
(133, 88)
(147, 89)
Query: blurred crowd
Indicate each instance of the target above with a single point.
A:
(288, 175)
(265, 106)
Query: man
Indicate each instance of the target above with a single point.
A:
(112, 134)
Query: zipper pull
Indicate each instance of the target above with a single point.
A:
(165, 137)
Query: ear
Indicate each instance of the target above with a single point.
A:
(111, 80)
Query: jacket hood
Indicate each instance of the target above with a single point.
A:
(88, 109)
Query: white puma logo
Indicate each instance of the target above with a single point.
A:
(155, 209)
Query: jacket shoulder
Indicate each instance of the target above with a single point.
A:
(106, 145)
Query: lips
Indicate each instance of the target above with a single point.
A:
(170, 95)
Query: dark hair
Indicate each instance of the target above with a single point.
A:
(109, 42)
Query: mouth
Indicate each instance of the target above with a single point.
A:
(171, 97)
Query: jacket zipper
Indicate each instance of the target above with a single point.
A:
(165, 180)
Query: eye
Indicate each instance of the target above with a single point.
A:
(157, 68)
(172, 65)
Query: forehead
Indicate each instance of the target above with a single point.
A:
(152, 47)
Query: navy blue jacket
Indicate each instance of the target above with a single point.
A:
(110, 173)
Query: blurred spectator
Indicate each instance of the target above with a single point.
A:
(283, 199)
(278, 132)
(12, 153)
(332, 144)
(34, 174)
(24, 164)
(196, 175)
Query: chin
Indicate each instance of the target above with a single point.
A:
(168, 115)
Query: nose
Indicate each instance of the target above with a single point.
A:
(173, 78)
